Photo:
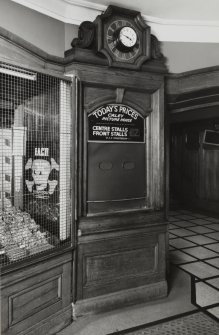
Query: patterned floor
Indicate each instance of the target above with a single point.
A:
(194, 248)
(194, 324)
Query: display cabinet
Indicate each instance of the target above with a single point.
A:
(35, 164)
(36, 235)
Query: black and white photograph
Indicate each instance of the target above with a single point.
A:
(109, 167)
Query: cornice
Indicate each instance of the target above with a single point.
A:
(76, 11)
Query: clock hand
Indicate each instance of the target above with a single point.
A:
(127, 37)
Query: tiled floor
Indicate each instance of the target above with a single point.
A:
(194, 248)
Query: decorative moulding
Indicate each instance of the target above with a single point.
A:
(77, 11)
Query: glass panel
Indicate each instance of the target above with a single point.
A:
(35, 183)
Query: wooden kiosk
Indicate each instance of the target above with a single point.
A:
(120, 213)
(101, 228)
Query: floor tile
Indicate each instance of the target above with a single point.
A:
(179, 257)
(214, 247)
(206, 295)
(200, 270)
(214, 282)
(214, 226)
(185, 217)
(173, 213)
(201, 252)
(216, 220)
(172, 226)
(201, 229)
(185, 211)
(179, 243)
(200, 221)
(200, 239)
(173, 218)
(214, 235)
(198, 215)
(185, 224)
(214, 311)
(214, 261)
(182, 232)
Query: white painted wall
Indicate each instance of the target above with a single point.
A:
(186, 56)
(71, 31)
(38, 29)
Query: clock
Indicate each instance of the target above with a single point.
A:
(127, 37)
(122, 39)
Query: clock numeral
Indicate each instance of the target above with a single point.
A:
(113, 26)
(119, 24)
(117, 52)
(110, 32)
(112, 46)
(123, 56)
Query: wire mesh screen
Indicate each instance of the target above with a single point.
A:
(35, 181)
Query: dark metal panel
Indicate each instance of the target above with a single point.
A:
(116, 171)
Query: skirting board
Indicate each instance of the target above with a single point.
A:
(121, 299)
(52, 324)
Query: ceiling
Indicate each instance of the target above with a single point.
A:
(170, 20)
(205, 10)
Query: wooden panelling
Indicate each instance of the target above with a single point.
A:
(209, 174)
(196, 80)
(121, 222)
(136, 295)
(33, 295)
(34, 298)
(115, 263)
(192, 102)
(194, 174)
(193, 95)
(113, 266)
(102, 75)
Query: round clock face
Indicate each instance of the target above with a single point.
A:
(122, 39)
(128, 37)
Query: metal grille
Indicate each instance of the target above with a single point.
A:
(35, 141)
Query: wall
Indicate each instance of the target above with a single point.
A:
(38, 29)
(194, 166)
(54, 37)
(186, 56)
(71, 31)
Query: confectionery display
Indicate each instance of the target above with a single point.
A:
(38, 207)
(20, 236)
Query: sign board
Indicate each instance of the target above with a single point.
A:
(41, 181)
(115, 122)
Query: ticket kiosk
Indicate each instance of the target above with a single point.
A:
(120, 162)
(116, 159)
